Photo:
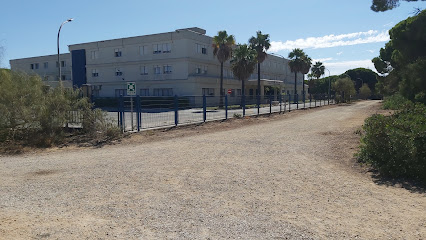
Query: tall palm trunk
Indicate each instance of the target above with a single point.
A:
(258, 87)
(243, 97)
(221, 86)
(303, 84)
(295, 86)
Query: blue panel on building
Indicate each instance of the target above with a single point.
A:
(78, 67)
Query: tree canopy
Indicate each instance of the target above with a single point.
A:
(384, 5)
(362, 76)
(403, 59)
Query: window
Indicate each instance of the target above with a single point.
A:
(167, 69)
(95, 73)
(198, 69)
(63, 77)
(120, 92)
(36, 65)
(233, 93)
(143, 50)
(94, 54)
(32, 66)
(46, 65)
(117, 52)
(239, 92)
(163, 92)
(200, 48)
(63, 64)
(157, 48)
(208, 91)
(167, 47)
(118, 72)
(144, 70)
(144, 92)
(57, 64)
(157, 70)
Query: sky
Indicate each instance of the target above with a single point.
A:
(343, 34)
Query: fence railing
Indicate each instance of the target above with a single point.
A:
(139, 112)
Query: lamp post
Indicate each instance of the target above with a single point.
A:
(59, 62)
(329, 86)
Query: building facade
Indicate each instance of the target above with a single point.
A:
(46, 67)
(166, 64)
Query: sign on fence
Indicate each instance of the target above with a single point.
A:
(131, 89)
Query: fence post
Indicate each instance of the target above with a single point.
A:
(204, 108)
(280, 100)
(315, 96)
(138, 112)
(176, 110)
(122, 113)
(244, 105)
(304, 95)
(320, 99)
(297, 100)
(289, 102)
(226, 106)
(258, 104)
(310, 100)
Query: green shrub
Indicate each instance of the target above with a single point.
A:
(35, 115)
(396, 145)
(396, 102)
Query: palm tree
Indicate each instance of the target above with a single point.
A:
(297, 64)
(222, 49)
(261, 44)
(318, 69)
(243, 63)
(307, 66)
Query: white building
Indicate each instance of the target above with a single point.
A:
(165, 64)
(46, 67)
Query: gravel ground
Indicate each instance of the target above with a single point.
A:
(289, 176)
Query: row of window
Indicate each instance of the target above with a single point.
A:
(34, 66)
(160, 92)
(156, 49)
(157, 69)
(157, 92)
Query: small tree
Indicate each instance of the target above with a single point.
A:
(364, 91)
(345, 88)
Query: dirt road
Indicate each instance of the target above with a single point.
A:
(288, 178)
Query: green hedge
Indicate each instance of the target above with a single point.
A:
(396, 145)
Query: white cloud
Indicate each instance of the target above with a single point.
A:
(341, 67)
(372, 51)
(339, 53)
(322, 60)
(328, 41)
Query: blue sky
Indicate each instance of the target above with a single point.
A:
(343, 34)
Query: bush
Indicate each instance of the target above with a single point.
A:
(396, 102)
(35, 115)
(396, 145)
(345, 88)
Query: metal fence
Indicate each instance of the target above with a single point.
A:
(138, 113)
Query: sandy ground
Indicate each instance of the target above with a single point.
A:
(289, 176)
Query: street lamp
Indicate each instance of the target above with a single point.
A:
(59, 62)
(329, 86)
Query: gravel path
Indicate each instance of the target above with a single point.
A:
(288, 178)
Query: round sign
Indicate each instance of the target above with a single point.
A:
(229, 91)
